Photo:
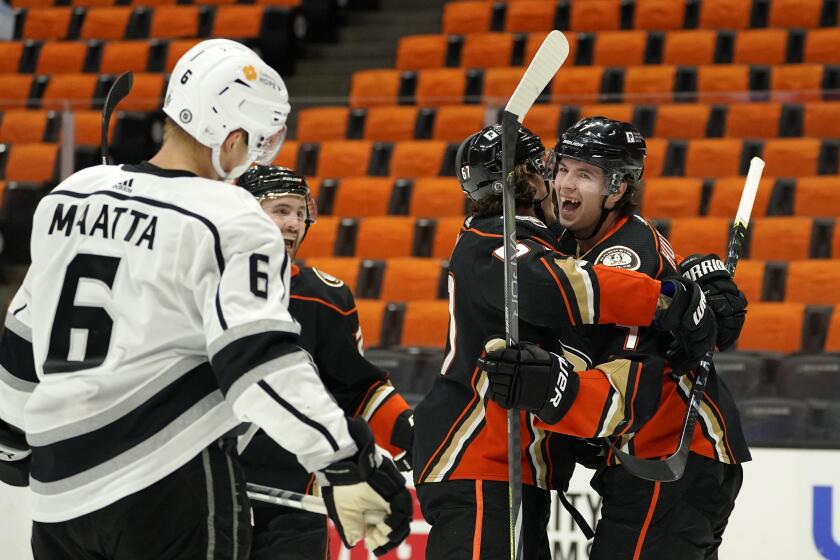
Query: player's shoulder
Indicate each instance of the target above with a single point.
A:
(322, 287)
(635, 245)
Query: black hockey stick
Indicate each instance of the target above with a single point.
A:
(673, 467)
(549, 58)
(119, 89)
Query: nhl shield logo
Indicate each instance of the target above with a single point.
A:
(619, 257)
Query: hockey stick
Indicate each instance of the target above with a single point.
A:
(549, 58)
(296, 500)
(672, 468)
(119, 89)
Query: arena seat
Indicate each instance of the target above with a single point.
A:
(417, 158)
(486, 50)
(46, 23)
(170, 22)
(696, 46)
(749, 275)
(671, 197)
(466, 17)
(660, 14)
(415, 52)
(177, 48)
(369, 88)
(21, 125)
(724, 14)
(343, 268)
(425, 323)
(446, 233)
(713, 158)
(620, 48)
(32, 162)
(440, 86)
(436, 197)
(753, 120)
(322, 123)
(809, 281)
(699, 235)
(76, 90)
(362, 196)
(408, 279)
(107, 22)
(743, 373)
(531, 15)
(454, 123)
(390, 123)
(16, 91)
(775, 421)
(383, 237)
(795, 13)
(682, 120)
(594, 15)
(760, 46)
(774, 327)
(371, 313)
(817, 196)
(123, 56)
(343, 158)
(321, 238)
(726, 195)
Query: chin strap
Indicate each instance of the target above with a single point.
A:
(233, 173)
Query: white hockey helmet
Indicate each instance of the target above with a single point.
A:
(219, 86)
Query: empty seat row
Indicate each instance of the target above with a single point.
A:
(786, 422)
(51, 3)
(78, 91)
(420, 323)
(714, 157)
(624, 48)
(453, 123)
(594, 84)
(611, 15)
(796, 281)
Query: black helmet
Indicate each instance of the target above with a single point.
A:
(478, 163)
(616, 147)
(270, 181)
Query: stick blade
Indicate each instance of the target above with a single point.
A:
(118, 91)
(549, 58)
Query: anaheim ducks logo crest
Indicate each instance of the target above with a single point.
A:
(619, 257)
(328, 279)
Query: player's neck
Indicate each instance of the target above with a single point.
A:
(584, 245)
(194, 158)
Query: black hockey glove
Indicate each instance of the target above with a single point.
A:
(402, 436)
(529, 378)
(722, 295)
(689, 320)
(366, 496)
(15, 456)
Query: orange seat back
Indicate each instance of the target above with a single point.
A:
(810, 281)
(699, 235)
(371, 313)
(440, 86)
(713, 158)
(416, 52)
(753, 120)
(345, 269)
(454, 123)
(322, 123)
(425, 323)
(343, 158)
(122, 56)
(383, 237)
(466, 17)
(775, 327)
(780, 238)
(107, 22)
(46, 23)
(409, 279)
(446, 233)
(362, 196)
(390, 123)
(672, 197)
(32, 163)
(436, 197)
(418, 158)
(696, 46)
(485, 50)
(726, 196)
(320, 239)
(369, 88)
(21, 125)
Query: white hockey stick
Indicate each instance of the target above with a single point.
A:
(549, 58)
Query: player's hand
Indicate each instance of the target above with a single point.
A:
(722, 295)
(529, 378)
(402, 436)
(690, 321)
(15, 455)
(366, 496)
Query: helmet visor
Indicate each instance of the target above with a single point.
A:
(267, 147)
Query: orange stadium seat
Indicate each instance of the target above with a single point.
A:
(87, 127)
(343, 158)
(750, 278)
(801, 82)
(345, 269)
(409, 279)
(64, 57)
(795, 13)
(594, 15)
(436, 197)
(46, 23)
(466, 17)
(725, 14)
(615, 111)
(530, 15)
(20, 125)
(34, 3)
(425, 323)
(146, 93)
(122, 56)
(620, 48)
(682, 120)
(383, 237)
(320, 240)
(832, 340)
(660, 14)
(672, 197)
(440, 86)
(374, 87)
(649, 83)
(390, 123)
(108, 22)
(726, 195)
(544, 120)
(499, 83)
(15, 90)
(817, 196)
(722, 83)
(10, 53)
(820, 119)
(781, 238)
(176, 49)
(760, 46)
(237, 22)
(774, 327)
(74, 89)
(577, 84)
(416, 52)
(322, 123)
(696, 46)
(808, 281)
(699, 235)
(485, 50)
(655, 160)
(288, 155)
(455, 122)
(753, 120)
(446, 233)
(821, 45)
(791, 157)
(419, 158)
(371, 312)
(362, 196)
(713, 158)
(32, 163)
(169, 22)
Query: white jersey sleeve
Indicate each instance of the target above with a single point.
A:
(251, 339)
(17, 367)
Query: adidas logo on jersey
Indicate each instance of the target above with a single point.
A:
(124, 186)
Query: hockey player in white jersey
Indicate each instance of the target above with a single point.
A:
(152, 322)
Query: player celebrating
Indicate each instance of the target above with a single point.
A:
(151, 322)
(330, 332)
(599, 164)
(460, 449)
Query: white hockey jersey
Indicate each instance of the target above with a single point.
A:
(151, 322)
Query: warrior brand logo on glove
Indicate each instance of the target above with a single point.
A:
(703, 268)
(560, 387)
(701, 309)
